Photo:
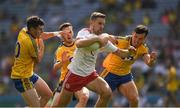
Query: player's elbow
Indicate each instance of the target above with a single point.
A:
(38, 60)
(79, 44)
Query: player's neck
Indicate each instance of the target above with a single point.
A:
(90, 29)
(30, 34)
(131, 43)
(68, 44)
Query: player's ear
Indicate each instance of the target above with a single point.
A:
(32, 29)
(133, 33)
(91, 22)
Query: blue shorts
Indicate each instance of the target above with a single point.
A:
(115, 81)
(25, 83)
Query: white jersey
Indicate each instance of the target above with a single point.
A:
(83, 62)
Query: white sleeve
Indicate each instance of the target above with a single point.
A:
(82, 33)
(57, 34)
(109, 47)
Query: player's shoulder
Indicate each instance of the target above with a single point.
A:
(144, 45)
(84, 31)
(59, 49)
(124, 38)
(23, 36)
(23, 31)
(143, 48)
(60, 46)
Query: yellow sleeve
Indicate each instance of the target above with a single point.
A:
(59, 54)
(123, 37)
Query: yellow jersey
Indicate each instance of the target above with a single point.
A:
(119, 66)
(172, 84)
(25, 55)
(58, 57)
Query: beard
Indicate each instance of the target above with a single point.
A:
(97, 32)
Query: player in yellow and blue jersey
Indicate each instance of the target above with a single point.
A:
(29, 51)
(63, 57)
(172, 84)
(117, 70)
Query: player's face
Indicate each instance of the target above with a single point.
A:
(69, 37)
(137, 39)
(36, 32)
(98, 25)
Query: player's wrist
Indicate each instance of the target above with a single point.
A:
(152, 62)
(57, 34)
(132, 51)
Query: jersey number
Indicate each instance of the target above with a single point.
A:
(17, 50)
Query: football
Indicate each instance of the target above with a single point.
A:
(93, 47)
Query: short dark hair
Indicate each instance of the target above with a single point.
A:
(140, 29)
(96, 15)
(64, 25)
(34, 21)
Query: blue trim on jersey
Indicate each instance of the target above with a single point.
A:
(115, 81)
(19, 84)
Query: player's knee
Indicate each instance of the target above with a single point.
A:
(37, 104)
(134, 99)
(84, 98)
(109, 93)
(106, 93)
(48, 95)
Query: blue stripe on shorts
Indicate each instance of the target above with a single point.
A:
(26, 83)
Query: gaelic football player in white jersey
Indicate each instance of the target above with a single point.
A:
(82, 71)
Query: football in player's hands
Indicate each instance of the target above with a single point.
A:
(93, 47)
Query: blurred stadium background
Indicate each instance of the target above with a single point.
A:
(161, 16)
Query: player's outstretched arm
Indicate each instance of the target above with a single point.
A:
(113, 39)
(40, 45)
(47, 35)
(150, 59)
(123, 53)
